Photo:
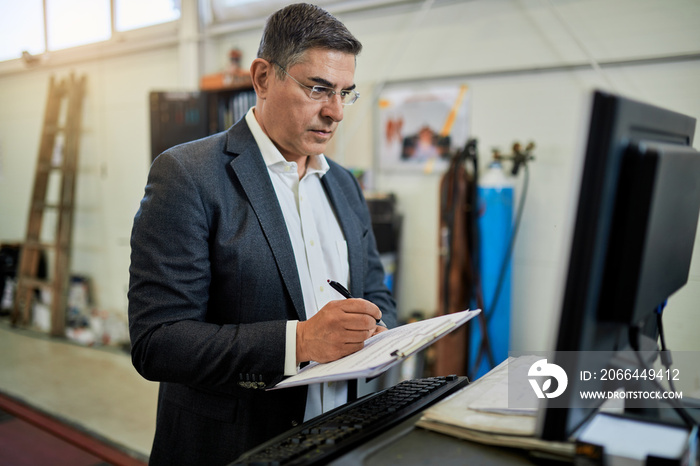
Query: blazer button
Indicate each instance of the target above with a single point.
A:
(295, 423)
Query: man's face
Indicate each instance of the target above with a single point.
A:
(298, 125)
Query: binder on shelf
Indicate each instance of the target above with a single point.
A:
(232, 109)
(182, 116)
(176, 117)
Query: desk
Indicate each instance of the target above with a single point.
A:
(465, 411)
(409, 445)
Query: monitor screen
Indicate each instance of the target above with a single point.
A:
(632, 238)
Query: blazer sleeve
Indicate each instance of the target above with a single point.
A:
(170, 279)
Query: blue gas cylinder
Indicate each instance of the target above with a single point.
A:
(495, 223)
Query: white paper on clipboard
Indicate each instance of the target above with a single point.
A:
(381, 352)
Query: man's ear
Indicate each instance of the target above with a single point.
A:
(261, 73)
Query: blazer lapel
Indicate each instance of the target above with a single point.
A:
(352, 229)
(251, 171)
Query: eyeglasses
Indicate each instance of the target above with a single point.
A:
(324, 94)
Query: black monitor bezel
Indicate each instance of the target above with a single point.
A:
(614, 123)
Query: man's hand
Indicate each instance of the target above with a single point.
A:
(338, 329)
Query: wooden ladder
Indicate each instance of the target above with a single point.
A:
(56, 163)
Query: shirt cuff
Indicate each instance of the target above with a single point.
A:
(290, 348)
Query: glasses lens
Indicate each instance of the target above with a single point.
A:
(349, 98)
(324, 94)
(321, 93)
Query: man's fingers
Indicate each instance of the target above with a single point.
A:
(361, 306)
(359, 322)
(358, 337)
(338, 329)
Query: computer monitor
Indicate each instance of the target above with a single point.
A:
(632, 240)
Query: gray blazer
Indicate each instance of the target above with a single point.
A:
(213, 282)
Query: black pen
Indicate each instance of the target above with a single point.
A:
(346, 294)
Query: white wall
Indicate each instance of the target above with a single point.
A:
(113, 160)
(498, 47)
(514, 56)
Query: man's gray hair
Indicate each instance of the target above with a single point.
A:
(294, 29)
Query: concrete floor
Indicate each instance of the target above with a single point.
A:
(96, 389)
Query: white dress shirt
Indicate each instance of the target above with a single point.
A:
(320, 250)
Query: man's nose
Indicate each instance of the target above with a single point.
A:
(333, 108)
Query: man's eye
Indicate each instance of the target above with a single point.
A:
(344, 94)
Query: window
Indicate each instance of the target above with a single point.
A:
(132, 14)
(77, 22)
(21, 28)
(71, 23)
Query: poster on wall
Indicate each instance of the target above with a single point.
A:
(420, 128)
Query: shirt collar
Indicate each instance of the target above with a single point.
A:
(273, 157)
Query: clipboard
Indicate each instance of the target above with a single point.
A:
(380, 352)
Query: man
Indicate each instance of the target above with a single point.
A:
(232, 248)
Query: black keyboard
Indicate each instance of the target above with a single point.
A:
(330, 435)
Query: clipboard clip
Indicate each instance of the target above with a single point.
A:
(404, 353)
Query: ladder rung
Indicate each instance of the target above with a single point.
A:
(44, 167)
(40, 205)
(30, 282)
(44, 205)
(39, 245)
(54, 128)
